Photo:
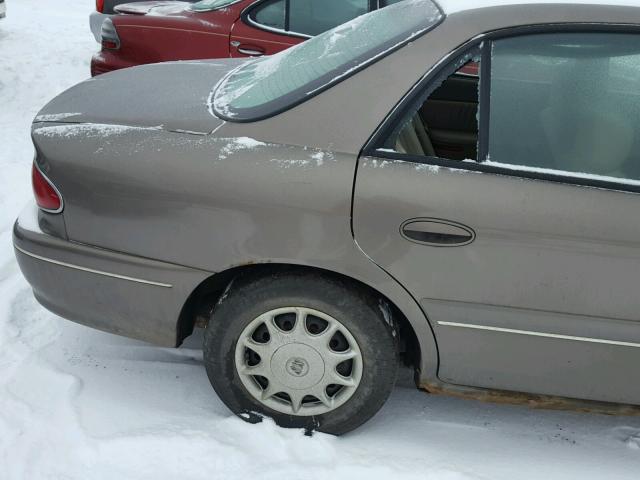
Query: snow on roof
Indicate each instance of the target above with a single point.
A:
(454, 6)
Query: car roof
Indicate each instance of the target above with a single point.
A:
(455, 6)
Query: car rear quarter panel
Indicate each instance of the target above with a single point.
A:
(184, 36)
(214, 203)
(178, 197)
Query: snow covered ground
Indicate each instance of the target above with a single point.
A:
(80, 404)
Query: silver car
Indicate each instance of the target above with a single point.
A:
(454, 185)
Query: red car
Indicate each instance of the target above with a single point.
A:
(159, 31)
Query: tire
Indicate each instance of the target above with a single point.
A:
(351, 310)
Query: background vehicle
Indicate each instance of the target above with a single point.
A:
(152, 32)
(3, 9)
(105, 9)
(355, 199)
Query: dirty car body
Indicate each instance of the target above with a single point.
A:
(494, 273)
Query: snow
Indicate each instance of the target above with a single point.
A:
(427, 167)
(561, 173)
(238, 144)
(86, 130)
(318, 157)
(78, 404)
(55, 117)
(284, 163)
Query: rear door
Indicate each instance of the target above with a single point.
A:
(274, 25)
(525, 255)
(261, 30)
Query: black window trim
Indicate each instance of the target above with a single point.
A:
(484, 97)
(245, 16)
(375, 145)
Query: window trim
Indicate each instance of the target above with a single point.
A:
(484, 98)
(375, 145)
(245, 16)
(233, 3)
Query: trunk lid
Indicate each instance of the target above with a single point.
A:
(152, 8)
(173, 96)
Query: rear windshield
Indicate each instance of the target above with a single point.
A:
(207, 5)
(270, 85)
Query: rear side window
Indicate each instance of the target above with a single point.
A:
(311, 17)
(269, 85)
(208, 5)
(444, 120)
(270, 14)
(568, 103)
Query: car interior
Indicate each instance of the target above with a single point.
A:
(446, 124)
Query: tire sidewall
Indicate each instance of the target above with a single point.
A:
(356, 309)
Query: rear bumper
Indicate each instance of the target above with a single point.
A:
(95, 23)
(105, 61)
(114, 292)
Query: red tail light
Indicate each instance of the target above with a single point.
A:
(100, 6)
(47, 196)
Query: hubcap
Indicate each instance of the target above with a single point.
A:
(298, 361)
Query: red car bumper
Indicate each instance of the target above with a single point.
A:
(106, 61)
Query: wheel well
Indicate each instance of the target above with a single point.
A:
(199, 306)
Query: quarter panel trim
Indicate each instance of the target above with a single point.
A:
(539, 334)
(91, 270)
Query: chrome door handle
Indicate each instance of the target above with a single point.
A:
(250, 52)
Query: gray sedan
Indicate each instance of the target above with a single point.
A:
(452, 185)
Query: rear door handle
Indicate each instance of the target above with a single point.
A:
(437, 232)
(250, 50)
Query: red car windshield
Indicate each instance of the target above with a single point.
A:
(268, 86)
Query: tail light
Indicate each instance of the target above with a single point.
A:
(109, 35)
(100, 6)
(47, 195)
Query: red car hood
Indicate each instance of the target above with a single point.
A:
(152, 8)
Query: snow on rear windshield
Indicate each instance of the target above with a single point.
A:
(273, 84)
(207, 5)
